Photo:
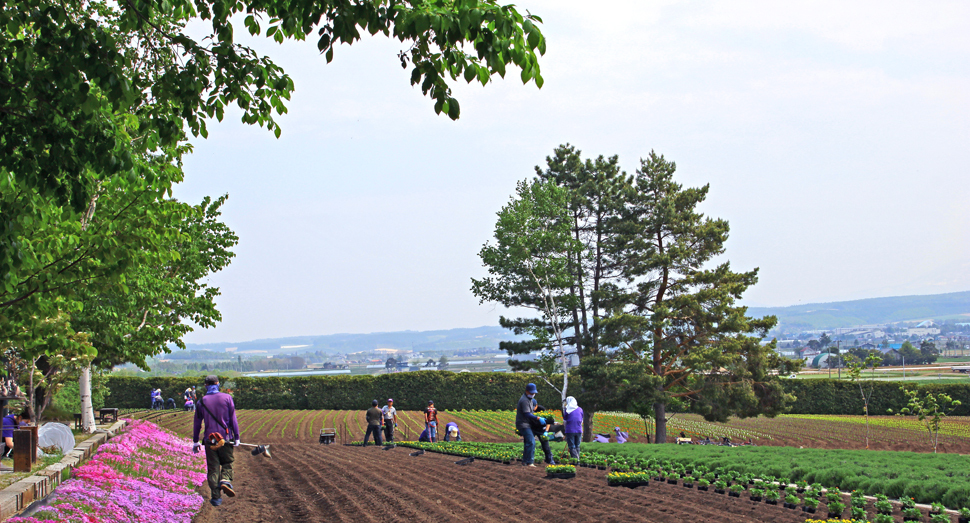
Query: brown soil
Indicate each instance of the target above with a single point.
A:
(310, 482)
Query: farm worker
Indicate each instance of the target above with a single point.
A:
(451, 432)
(11, 422)
(621, 436)
(218, 412)
(157, 399)
(540, 429)
(390, 420)
(431, 421)
(189, 394)
(572, 415)
(373, 423)
(424, 437)
(189, 405)
(525, 418)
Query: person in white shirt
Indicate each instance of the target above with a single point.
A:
(390, 420)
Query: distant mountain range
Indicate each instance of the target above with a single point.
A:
(452, 339)
(794, 318)
(869, 311)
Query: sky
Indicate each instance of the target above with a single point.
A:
(835, 137)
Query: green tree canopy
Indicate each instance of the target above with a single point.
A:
(641, 290)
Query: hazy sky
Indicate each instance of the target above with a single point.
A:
(835, 137)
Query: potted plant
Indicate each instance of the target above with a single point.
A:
(689, 482)
(791, 501)
(883, 518)
(940, 517)
(912, 514)
(964, 515)
(907, 502)
(883, 505)
(810, 505)
(561, 471)
(702, 484)
(800, 486)
(672, 478)
(835, 509)
(833, 495)
(736, 490)
(756, 494)
(719, 486)
(771, 497)
(937, 508)
(858, 513)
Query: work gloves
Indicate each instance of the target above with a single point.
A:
(196, 447)
(235, 443)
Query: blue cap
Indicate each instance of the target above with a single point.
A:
(531, 388)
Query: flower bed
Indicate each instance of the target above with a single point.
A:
(561, 471)
(627, 479)
(144, 474)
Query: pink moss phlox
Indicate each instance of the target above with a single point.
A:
(144, 474)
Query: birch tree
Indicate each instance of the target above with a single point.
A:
(528, 266)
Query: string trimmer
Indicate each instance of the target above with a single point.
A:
(258, 449)
(216, 440)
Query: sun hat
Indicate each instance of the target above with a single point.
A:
(531, 388)
(430, 402)
(374, 403)
(389, 400)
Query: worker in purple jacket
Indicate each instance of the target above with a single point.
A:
(221, 436)
(572, 416)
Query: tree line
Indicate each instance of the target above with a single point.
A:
(99, 265)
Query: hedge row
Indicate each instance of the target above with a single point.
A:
(469, 390)
(825, 396)
(410, 391)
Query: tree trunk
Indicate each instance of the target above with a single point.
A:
(88, 424)
(588, 424)
(660, 415)
(33, 393)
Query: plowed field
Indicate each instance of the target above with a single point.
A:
(825, 432)
(306, 481)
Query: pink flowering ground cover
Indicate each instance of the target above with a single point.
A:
(144, 474)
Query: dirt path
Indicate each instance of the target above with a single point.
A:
(310, 482)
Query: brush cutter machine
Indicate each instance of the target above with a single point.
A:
(216, 440)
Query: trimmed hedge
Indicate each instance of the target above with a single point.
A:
(825, 396)
(410, 391)
(478, 390)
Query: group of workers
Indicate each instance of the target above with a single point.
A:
(386, 418)
(531, 426)
(188, 400)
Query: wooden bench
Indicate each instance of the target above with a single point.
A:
(106, 414)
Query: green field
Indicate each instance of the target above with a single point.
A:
(926, 478)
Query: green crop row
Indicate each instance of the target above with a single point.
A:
(926, 478)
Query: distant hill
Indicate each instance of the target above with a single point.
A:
(452, 339)
(867, 312)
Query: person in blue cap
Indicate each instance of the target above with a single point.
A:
(525, 418)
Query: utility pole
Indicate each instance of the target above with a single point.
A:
(838, 354)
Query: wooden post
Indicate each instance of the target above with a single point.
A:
(21, 450)
(33, 442)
